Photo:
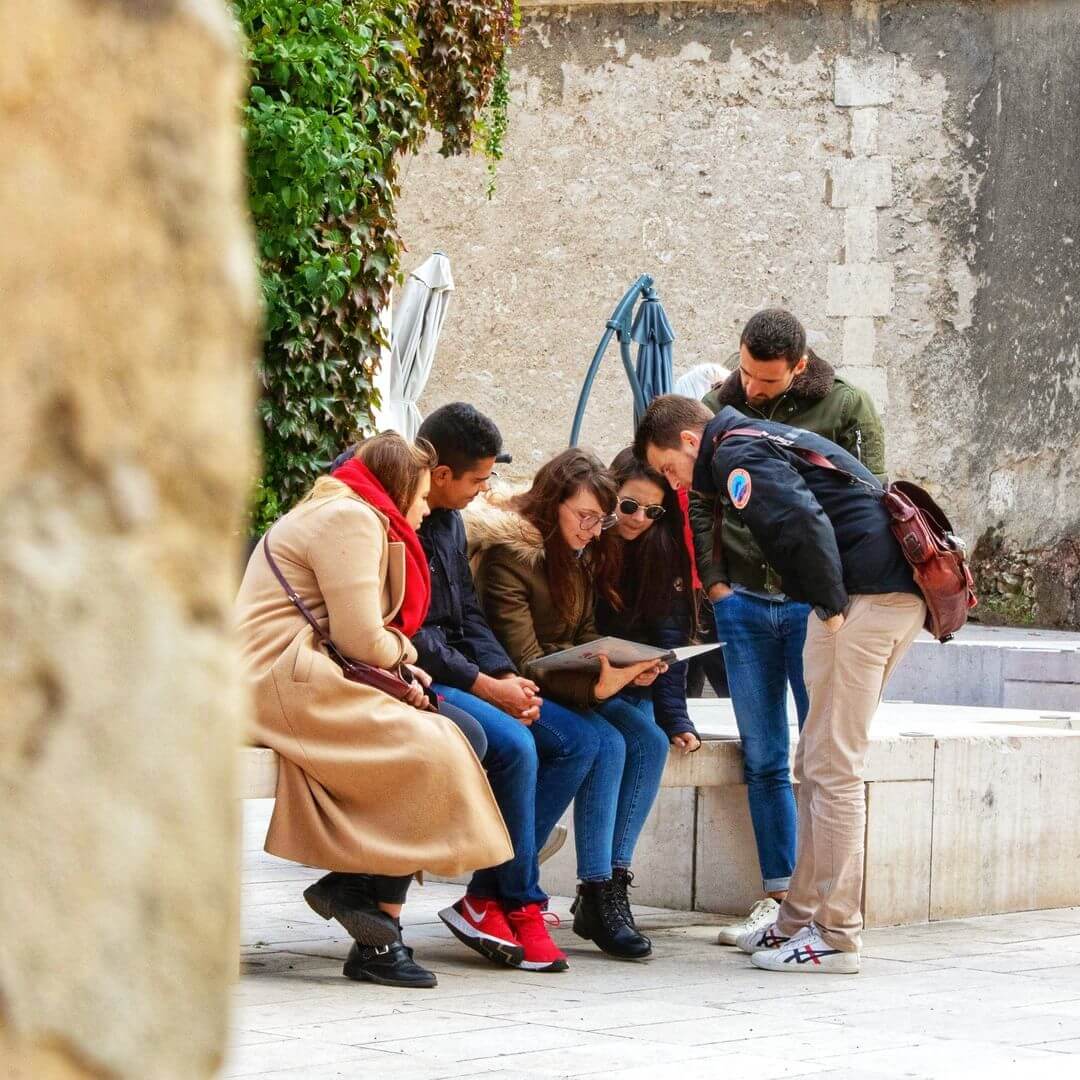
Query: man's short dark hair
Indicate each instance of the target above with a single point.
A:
(665, 418)
(461, 435)
(775, 334)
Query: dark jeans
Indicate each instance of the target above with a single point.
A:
(763, 654)
(534, 772)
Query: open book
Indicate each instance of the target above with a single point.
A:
(620, 652)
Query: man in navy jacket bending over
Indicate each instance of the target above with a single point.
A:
(829, 540)
(538, 752)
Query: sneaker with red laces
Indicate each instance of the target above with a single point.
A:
(530, 925)
(481, 924)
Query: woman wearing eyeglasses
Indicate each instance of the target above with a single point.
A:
(542, 559)
(657, 601)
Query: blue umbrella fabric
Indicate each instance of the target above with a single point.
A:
(653, 335)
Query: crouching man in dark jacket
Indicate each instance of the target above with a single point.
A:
(829, 541)
(538, 752)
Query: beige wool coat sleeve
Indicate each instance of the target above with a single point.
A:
(366, 783)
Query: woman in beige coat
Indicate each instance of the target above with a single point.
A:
(370, 787)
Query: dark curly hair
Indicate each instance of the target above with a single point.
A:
(461, 436)
(774, 334)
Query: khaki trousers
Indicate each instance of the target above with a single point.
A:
(845, 672)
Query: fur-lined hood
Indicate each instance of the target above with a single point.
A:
(814, 384)
(490, 521)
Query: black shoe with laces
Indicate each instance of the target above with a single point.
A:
(622, 879)
(388, 965)
(598, 917)
(349, 898)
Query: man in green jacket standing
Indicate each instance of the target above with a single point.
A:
(780, 379)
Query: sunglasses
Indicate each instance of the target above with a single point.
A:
(590, 521)
(630, 507)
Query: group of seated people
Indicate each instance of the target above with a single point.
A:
(407, 558)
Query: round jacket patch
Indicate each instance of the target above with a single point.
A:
(738, 486)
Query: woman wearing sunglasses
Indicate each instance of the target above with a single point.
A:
(542, 558)
(657, 603)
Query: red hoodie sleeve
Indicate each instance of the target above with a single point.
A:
(688, 536)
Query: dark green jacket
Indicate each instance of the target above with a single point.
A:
(818, 401)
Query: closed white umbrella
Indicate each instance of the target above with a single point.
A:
(414, 335)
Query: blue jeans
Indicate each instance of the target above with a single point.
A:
(617, 795)
(534, 772)
(763, 654)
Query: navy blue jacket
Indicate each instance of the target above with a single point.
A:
(455, 644)
(826, 536)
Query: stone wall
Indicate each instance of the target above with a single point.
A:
(897, 173)
(127, 321)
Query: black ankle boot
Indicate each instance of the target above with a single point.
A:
(389, 965)
(623, 881)
(350, 899)
(598, 917)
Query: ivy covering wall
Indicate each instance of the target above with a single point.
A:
(340, 91)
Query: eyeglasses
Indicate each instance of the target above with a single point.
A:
(590, 521)
(630, 507)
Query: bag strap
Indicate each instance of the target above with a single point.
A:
(810, 456)
(291, 594)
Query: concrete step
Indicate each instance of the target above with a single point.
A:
(992, 666)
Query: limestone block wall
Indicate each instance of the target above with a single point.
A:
(127, 330)
(898, 173)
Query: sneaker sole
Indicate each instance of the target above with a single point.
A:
(366, 928)
(543, 965)
(491, 948)
(554, 844)
(801, 969)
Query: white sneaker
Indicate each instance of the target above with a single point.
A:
(768, 937)
(807, 954)
(761, 914)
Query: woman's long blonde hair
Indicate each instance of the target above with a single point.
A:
(395, 462)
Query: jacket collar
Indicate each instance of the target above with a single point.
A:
(814, 384)
(490, 521)
(726, 419)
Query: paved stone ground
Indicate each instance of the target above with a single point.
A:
(989, 997)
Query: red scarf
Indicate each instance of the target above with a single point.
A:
(414, 607)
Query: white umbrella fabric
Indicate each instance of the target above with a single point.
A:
(418, 318)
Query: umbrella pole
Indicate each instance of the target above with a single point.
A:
(618, 323)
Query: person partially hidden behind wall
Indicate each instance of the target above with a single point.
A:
(370, 787)
(830, 542)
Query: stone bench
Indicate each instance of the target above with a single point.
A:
(969, 812)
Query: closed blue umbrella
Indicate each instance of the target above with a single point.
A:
(653, 334)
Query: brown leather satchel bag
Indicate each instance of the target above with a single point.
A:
(396, 684)
(937, 556)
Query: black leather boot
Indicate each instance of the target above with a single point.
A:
(598, 918)
(349, 899)
(623, 881)
(389, 965)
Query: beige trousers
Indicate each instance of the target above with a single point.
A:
(845, 672)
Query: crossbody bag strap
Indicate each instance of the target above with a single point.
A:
(810, 456)
(290, 592)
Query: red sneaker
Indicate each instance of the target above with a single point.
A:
(481, 924)
(530, 924)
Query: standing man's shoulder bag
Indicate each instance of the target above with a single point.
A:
(389, 682)
(935, 553)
